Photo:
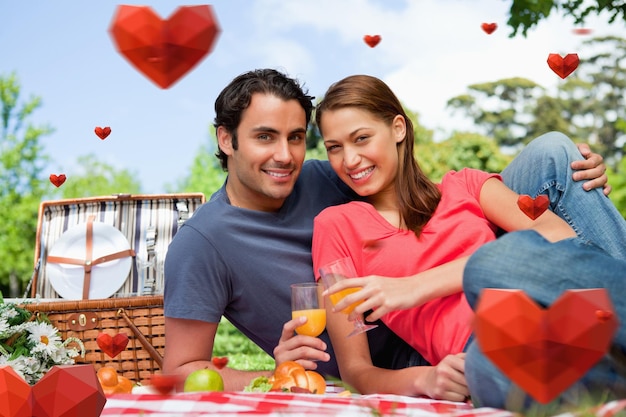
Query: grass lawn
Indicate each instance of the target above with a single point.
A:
(243, 354)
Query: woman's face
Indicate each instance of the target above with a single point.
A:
(362, 149)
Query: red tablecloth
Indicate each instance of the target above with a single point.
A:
(285, 405)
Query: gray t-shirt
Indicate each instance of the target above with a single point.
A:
(240, 263)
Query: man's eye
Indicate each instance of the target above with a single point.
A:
(264, 137)
(296, 138)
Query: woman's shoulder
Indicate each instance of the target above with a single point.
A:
(351, 211)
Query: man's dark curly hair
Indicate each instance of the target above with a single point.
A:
(236, 97)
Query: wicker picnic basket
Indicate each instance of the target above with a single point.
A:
(148, 223)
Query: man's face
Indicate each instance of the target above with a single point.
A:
(271, 149)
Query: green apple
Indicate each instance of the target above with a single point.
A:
(204, 380)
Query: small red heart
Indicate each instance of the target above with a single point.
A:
(563, 66)
(604, 315)
(582, 31)
(372, 40)
(533, 207)
(220, 362)
(489, 28)
(112, 346)
(57, 180)
(103, 132)
(164, 384)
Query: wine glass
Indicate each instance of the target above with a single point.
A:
(305, 302)
(334, 272)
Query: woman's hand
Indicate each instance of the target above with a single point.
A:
(305, 350)
(592, 169)
(446, 381)
(377, 293)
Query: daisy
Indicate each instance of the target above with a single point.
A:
(45, 337)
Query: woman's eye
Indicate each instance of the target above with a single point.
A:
(332, 148)
(360, 138)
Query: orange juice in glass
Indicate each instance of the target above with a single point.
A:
(334, 272)
(305, 302)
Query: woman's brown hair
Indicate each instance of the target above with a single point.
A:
(418, 196)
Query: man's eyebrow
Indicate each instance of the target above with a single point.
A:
(273, 130)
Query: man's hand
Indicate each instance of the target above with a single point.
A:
(592, 169)
(305, 350)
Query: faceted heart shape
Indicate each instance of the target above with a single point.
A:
(57, 180)
(372, 41)
(15, 394)
(533, 207)
(563, 66)
(69, 391)
(112, 346)
(544, 351)
(489, 28)
(582, 31)
(164, 50)
(219, 362)
(103, 132)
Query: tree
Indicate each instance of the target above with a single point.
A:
(525, 14)
(206, 175)
(97, 178)
(22, 160)
(594, 96)
(503, 108)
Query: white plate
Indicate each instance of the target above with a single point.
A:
(106, 278)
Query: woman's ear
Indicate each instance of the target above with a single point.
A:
(398, 127)
(224, 140)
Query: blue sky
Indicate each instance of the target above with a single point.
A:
(431, 50)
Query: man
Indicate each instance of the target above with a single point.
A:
(238, 254)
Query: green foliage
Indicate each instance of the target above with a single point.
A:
(460, 150)
(501, 108)
(21, 162)
(525, 14)
(206, 175)
(97, 178)
(242, 353)
(617, 180)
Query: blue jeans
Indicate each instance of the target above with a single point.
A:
(525, 260)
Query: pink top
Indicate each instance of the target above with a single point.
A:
(458, 227)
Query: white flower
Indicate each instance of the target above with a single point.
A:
(45, 337)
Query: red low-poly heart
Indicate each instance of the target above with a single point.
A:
(582, 31)
(219, 362)
(103, 132)
(563, 66)
(66, 390)
(112, 346)
(544, 351)
(57, 180)
(533, 207)
(489, 28)
(164, 50)
(372, 40)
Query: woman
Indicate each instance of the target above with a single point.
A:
(410, 227)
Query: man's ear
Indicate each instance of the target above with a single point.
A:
(398, 126)
(224, 140)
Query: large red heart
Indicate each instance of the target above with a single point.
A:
(489, 28)
(372, 40)
(112, 346)
(563, 66)
(67, 391)
(57, 180)
(103, 132)
(533, 207)
(164, 50)
(544, 351)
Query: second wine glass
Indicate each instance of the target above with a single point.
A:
(334, 272)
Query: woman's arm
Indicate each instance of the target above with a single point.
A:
(446, 381)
